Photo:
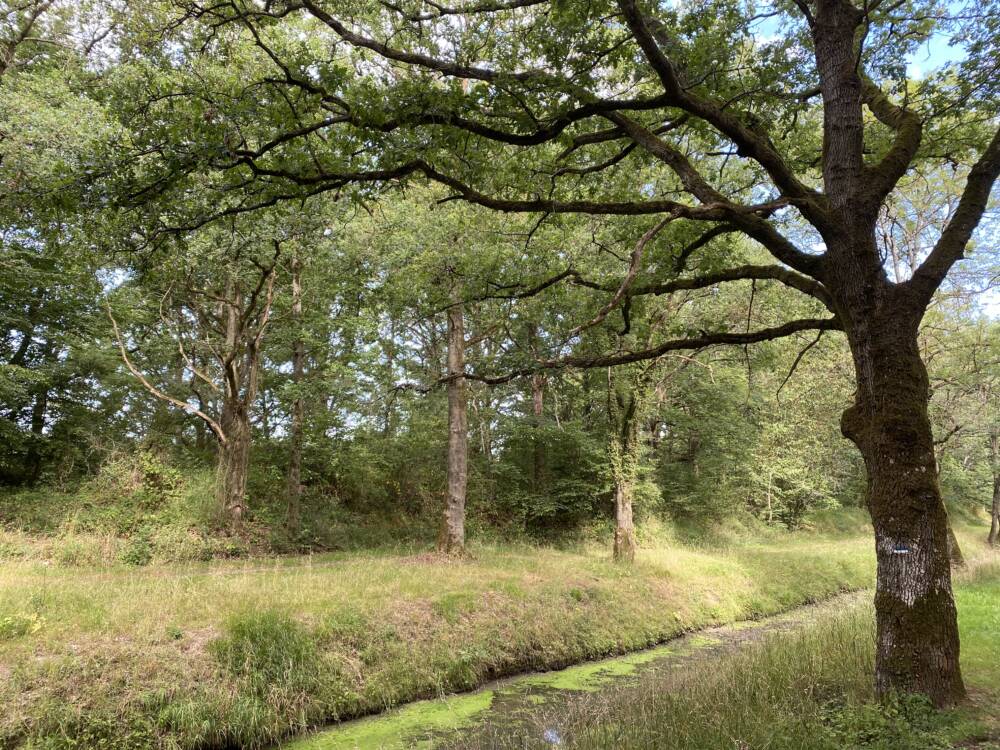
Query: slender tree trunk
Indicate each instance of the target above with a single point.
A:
(954, 549)
(538, 447)
(917, 632)
(624, 467)
(452, 537)
(994, 537)
(623, 449)
(294, 490)
(33, 460)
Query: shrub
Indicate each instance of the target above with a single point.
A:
(900, 723)
(138, 551)
(18, 624)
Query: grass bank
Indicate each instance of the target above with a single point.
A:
(246, 652)
(810, 689)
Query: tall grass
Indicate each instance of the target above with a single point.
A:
(807, 690)
(241, 653)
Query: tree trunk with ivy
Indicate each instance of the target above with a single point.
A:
(624, 453)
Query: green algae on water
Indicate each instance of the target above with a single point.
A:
(411, 726)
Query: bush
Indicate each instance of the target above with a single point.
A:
(138, 551)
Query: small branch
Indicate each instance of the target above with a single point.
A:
(634, 259)
(798, 359)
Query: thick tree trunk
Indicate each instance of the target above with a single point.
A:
(625, 544)
(917, 627)
(917, 643)
(234, 452)
(294, 488)
(234, 462)
(452, 537)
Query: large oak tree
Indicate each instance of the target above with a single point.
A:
(792, 124)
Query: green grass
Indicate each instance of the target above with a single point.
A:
(245, 652)
(806, 690)
(188, 655)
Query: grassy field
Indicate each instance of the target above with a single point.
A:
(245, 652)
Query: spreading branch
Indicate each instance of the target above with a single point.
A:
(191, 409)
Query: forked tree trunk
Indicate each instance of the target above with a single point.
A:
(451, 539)
(294, 487)
(917, 625)
(917, 644)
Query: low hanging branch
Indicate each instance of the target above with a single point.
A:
(688, 343)
(213, 425)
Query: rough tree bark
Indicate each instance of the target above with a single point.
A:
(917, 633)
(917, 629)
(451, 539)
(234, 453)
(294, 481)
(234, 460)
(994, 537)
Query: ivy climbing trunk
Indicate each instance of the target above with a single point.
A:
(538, 444)
(624, 399)
(625, 544)
(451, 539)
